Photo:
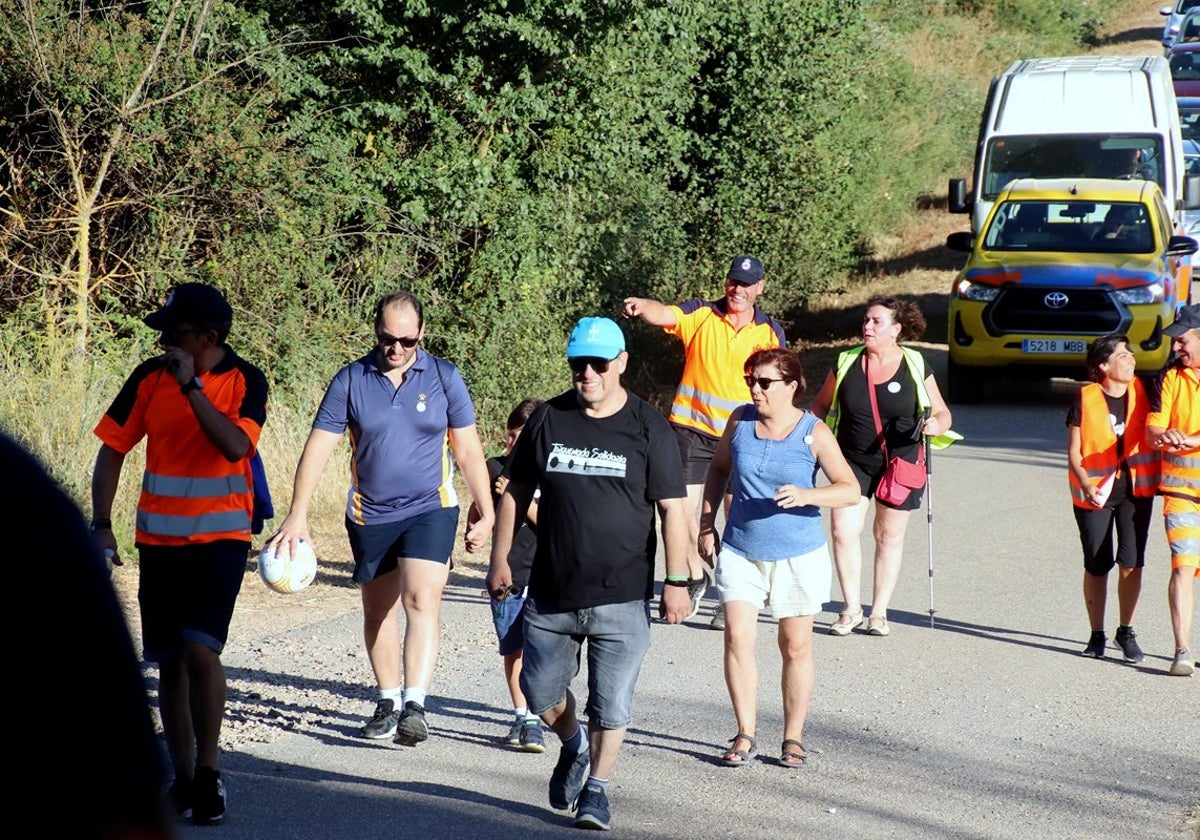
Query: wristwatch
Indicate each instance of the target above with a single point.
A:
(193, 384)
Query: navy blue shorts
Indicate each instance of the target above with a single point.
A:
(508, 616)
(377, 548)
(186, 594)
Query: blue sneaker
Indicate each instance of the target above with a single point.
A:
(592, 811)
(568, 777)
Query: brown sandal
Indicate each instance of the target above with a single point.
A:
(739, 758)
(792, 758)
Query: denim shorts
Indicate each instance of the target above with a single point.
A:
(508, 616)
(617, 635)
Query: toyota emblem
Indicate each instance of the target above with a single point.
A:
(1056, 300)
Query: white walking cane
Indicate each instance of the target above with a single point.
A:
(929, 518)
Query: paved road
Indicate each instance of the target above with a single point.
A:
(988, 725)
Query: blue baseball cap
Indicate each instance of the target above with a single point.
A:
(600, 338)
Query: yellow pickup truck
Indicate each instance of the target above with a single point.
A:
(1057, 263)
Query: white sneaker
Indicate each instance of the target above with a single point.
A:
(1182, 665)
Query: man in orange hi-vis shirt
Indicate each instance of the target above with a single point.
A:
(1175, 429)
(201, 409)
(718, 336)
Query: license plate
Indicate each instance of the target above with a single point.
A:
(1053, 345)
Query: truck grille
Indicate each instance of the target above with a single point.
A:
(1023, 309)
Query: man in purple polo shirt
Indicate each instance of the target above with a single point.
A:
(399, 403)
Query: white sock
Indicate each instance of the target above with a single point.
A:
(396, 695)
(520, 712)
(414, 694)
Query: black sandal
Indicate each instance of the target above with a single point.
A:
(792, 758)
(739, 758)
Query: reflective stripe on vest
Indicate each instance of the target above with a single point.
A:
(1181, 475)
(194, 487)
(703, 411)
(167, 525)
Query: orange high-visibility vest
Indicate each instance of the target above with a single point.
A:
(1098, 443)
(1180, 410)
(190, 492)
(712, 385)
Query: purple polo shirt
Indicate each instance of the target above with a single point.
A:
(400, 460)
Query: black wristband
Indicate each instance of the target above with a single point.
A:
(101, 525)
(193, 384)
(675, 583)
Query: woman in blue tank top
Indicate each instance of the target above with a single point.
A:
(773, 550)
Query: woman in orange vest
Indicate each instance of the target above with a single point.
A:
(1113, 475)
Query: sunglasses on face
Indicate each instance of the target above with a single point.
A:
(172, 335)
(580, 363)
(761, 381)
(386, 340)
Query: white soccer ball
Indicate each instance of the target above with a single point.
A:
(287, 574)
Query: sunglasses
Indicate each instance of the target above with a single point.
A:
(173, 334)
(761, 381)
(580, 363)
(386, 340)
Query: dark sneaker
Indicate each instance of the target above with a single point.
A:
(718, 619)
(532, 739)
(568, 777)
(383, 723)
(513, 739)
(1127, 641)
(696, 588)
(1182, 665)
(592, 811)
(1095, 646)
(180, 798)
(412, 729)
(208, 797)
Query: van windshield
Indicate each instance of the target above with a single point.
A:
(1071, 156)
(1073, 226)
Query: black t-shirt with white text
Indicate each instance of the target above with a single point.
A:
(599, 479)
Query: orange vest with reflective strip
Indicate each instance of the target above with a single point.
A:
(1098, 443)
(1180, 410)
(190, 492)
(713, 383)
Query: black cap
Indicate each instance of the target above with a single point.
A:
(191, 303)
(745, 269)
(1187, 319)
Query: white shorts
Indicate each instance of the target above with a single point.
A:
(794, 586)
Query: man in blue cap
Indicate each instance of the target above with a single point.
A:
(603, 460)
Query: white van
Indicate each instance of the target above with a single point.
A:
(1104, 116)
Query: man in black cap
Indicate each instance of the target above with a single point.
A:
(1175, 430)
(201, 409)
(718, 336)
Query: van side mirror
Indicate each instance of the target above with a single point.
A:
(956, 196)
(964, 241)
(1191, 192)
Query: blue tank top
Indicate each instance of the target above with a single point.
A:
(757, 528)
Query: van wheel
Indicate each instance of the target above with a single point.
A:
(964, 385)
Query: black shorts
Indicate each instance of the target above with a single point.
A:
(1131, 518)
(426, 536)
(696, 451)
(186, 593)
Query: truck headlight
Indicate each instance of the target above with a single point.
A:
(1152, 293)
(975, 291)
